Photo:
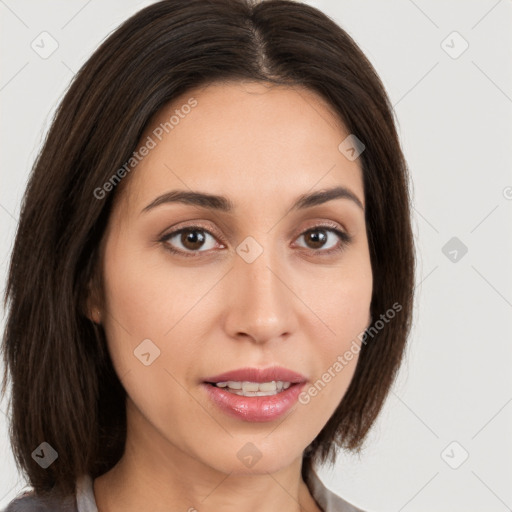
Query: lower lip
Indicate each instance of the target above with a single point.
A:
(255, 408)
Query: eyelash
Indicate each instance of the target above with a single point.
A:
(345, 238)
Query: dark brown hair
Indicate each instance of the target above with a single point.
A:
(64, 388)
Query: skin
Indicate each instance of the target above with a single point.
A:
(262, 147)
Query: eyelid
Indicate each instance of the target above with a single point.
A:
(191, 226)
(322, 224)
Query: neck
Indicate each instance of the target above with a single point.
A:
(154, 474)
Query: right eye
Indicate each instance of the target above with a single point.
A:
(191, 238)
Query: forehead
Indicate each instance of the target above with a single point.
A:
(244, 139)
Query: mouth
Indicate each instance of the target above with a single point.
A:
(253, 394)
(247, 388)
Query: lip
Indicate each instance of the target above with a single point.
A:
(259, 375)
(256, 408)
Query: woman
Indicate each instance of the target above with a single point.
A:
(211, 285)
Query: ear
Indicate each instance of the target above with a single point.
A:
(92, 305)
(94, 315)
(92, 310)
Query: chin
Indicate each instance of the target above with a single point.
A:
(254, 457)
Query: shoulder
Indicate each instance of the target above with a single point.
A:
(30, 502)
(333, 502)
(326, 499)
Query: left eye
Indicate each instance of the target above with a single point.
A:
(318, 236)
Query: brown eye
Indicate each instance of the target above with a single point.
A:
(189, 239)
(316, 239)
(193, 240)
(325, 239)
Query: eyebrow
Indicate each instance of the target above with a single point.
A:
(224, 204)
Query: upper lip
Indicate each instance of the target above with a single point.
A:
(277, 373)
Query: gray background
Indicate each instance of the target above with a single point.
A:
(454, 117)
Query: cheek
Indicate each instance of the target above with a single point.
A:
(342, 304)
(341, 299)
(141, 317)
(135, 307)
(349, 308)
(147, 308)
(141, 295)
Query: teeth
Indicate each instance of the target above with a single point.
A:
(251, 386)
(265, 386)
(246, 388)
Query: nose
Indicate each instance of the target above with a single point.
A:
(260, 303)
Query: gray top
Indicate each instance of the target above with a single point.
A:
(84, 500)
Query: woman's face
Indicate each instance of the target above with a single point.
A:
(258, 285)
